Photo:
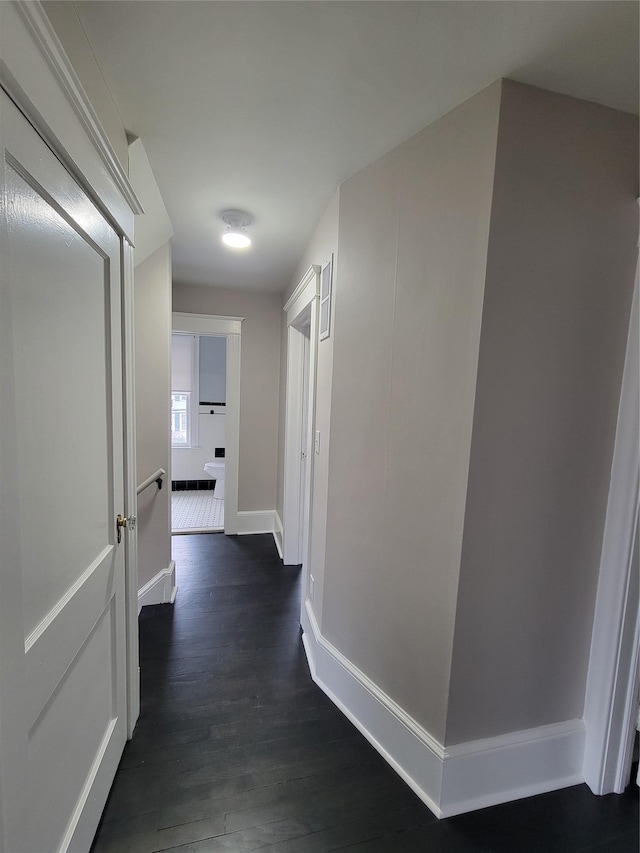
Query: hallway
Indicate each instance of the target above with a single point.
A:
(236, 749)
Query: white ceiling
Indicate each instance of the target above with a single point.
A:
(269, 106)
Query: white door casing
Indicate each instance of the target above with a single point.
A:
(613, 678)
(130, 489)
(298, 457)
(63, 669)
(306, 460)
(302, 346)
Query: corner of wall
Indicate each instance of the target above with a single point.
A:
(518, 760)
(449, 780)
(65, 21)
(161, 589)
(560, 270)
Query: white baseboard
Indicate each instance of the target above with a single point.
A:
(449, 780)
(258, 521)
(509, 767)
(161, 589)
(405, 745)
(277, 533)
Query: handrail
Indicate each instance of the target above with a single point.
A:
(156, 477)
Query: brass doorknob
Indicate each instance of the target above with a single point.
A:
(120, 523)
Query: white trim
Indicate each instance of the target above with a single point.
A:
(64, 72)
(81, 829)
(449, 780)
(130, 487)
(194, 402)
(410, 750)
(232, 442)
(291, 503)
(630, 715)
(256, 521)
(231, 328)
(325, 331)
(277, 532)
(206, 324)
(408, 722)
(295, 538)
(305, 290)
(513, 766)
(613, 678)
(37, 75)
(161, 589)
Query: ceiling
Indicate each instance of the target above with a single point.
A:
(269, 106)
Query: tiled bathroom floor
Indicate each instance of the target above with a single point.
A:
(196, 511)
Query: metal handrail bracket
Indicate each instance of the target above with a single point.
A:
(156, 477)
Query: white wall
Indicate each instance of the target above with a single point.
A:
(153, 228)
(187, 463)
(259, 382)
(153, 337)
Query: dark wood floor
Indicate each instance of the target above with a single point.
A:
(236, 749)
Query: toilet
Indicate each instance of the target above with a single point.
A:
(215, 469)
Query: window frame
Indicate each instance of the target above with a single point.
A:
(192, 399)
(187, 415)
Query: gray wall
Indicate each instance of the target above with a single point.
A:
(259, 382)
(322, 245)
(64, 19)
(560, 276)
(412, 252)
(152, 307)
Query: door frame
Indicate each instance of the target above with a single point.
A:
(130, 486)
(611, 701)
(231, 329)
(37, 76)
(301, 306)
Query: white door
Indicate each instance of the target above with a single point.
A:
(62, 626)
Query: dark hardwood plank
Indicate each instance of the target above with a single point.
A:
(236, 749)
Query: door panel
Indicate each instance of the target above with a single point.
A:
(62, 625)
(58, 372)
(49, 755)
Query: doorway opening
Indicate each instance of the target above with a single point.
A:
(198, 432)
(205, 409)
(302, 342)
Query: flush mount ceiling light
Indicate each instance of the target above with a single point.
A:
(236, 235)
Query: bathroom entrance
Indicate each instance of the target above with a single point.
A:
(198, 432)
(205, 392)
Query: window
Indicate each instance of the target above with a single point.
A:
(180, 419)
(212, 366)
(184, 390)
